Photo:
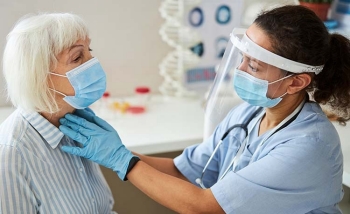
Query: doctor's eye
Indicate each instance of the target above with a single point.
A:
(90, 49)
(252, 68)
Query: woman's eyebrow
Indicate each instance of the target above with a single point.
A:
(75, 46)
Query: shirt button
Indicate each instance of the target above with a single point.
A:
(92, 200)
(81, 169)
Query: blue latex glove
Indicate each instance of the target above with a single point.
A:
(100, 142)
(86, 109)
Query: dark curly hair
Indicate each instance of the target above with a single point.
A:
(298, 34)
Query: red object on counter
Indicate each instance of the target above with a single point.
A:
(106, 94)
(136, 109)
(142, 90)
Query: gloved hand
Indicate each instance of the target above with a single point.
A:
(86, 109)
(100, 142)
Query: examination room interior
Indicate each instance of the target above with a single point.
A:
(126, 39)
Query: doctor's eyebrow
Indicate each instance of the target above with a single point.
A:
(251, 59)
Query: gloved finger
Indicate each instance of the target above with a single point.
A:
(93, 119)
(81, 122)
(90, 110)
(82, 152)
(84, 113)
(73, 150)
(103, 124)
(77, 136)
(75, 127)
(65, 122)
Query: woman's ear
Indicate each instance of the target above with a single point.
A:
(299, 82)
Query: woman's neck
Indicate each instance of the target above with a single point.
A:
(275, 115)
(54, 118)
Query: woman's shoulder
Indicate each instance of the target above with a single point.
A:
(13, 129)
(11, 133)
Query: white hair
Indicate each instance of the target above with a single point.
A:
(30, 52)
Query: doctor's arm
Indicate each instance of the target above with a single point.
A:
(174, 193)
(165, 165)
(101, 144)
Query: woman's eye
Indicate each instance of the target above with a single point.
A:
(90, 49)
(77, 59)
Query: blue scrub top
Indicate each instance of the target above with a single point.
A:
(297, 170)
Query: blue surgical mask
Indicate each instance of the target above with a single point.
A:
(88, 81)
(254, 90)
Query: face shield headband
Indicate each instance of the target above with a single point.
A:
(247, 46)
(244, 54)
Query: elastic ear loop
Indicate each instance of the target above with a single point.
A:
(58, 92)
(60, 75)
(281, 83)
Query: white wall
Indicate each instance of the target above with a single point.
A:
(124, 37)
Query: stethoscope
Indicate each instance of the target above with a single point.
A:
(290, 118)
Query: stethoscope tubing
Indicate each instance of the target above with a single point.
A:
(244, 126)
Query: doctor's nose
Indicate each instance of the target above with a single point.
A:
(243, 66)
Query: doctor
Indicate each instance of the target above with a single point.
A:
(275, 153)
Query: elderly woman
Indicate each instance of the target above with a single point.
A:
(49, 72)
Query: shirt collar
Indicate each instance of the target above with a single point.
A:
(51, 134)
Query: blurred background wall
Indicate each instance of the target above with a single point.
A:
(124, 37)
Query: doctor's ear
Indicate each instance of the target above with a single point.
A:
(298, 83)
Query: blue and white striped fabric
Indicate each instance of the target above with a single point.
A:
(37, 177)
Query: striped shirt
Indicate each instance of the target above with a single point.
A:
(37, 177)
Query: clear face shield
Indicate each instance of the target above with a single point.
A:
(254, 73)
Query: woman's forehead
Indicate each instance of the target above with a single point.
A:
(85, 41)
